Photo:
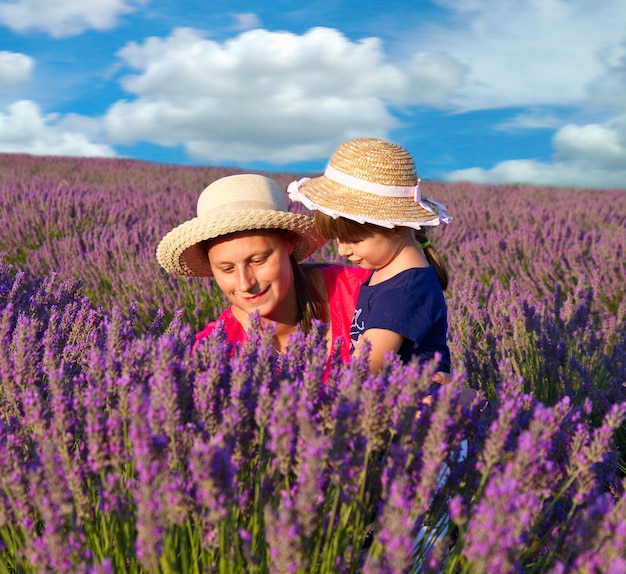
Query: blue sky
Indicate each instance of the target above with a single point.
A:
(501, 91)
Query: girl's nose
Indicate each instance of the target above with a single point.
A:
(343, 248)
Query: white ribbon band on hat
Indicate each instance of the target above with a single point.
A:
(297, 196)
(371, 187)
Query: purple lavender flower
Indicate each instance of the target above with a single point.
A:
(283, 430)
(212, 474)
(285, 538)
(397, 532)
(107, 423)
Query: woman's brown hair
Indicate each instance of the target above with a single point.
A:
(310, 303)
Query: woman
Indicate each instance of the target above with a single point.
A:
(247, 240)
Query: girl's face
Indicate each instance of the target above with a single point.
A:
(373, 252)
(253, 269)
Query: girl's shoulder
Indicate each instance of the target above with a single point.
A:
(411, 280)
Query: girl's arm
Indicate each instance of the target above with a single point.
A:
(381, 341)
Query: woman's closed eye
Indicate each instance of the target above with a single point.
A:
(259, 260)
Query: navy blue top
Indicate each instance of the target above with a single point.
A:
(411, 304)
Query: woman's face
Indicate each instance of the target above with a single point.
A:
(254, 271)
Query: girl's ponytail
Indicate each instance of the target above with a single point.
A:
(433, 258)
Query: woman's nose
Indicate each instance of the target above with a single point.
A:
(245, 280)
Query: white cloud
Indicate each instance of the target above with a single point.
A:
(61, 18)
(14, 68)
(246, 21)
(24, 129)
(533, 119)
(434, 74)
(593, 145)
(273, 96)
(528, 52)
(592, 156)
(609, 89)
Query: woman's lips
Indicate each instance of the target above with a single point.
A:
(255, 298)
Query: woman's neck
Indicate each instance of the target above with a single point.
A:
(283, 322)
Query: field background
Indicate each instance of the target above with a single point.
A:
(106, 424)
(537, 273)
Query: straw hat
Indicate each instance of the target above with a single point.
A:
(370, 180)
(235, 203)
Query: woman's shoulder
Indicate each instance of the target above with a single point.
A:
(334, 276)
(336, 271)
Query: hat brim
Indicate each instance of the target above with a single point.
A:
(338, 200)
(180, 251)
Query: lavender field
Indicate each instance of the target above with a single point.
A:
(121, 453)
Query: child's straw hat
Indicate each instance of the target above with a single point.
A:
(234, 203)
(370, 180)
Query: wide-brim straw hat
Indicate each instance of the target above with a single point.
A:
(244, 202)
(370, 180)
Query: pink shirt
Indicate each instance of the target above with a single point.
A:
(342, 284)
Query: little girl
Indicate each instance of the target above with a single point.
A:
(369, 201)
